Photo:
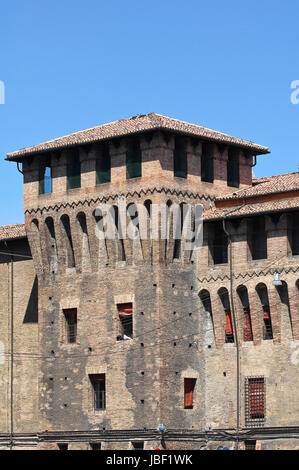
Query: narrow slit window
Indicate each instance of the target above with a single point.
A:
(248, 335)
(180, 159)
(229, 333)
(45, 182)
(207, 163)
(134, 160)
(233, 171)
(103, 167)
(125, 312)
(70, 315)
(98, 382)
(268, 332)
(189, 387)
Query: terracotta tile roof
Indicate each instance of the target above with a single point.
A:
(251, 209)
(9, 232)
(266, 185)
(133, 125)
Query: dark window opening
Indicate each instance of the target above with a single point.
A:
(257, 238)
(45, 182)
(103, 166)
(189, 386)
(293, 232)
(180, 159)
(255, 400)
(267, 330)
(207, 163)
(71, 324)
(95, 446)
(233, 171)
(138, 445)
(250, 445)
(220, 245)
(134, 160)
(74, 174)
(247, 331)
(125, 312)
(63, 446)
(98, 382)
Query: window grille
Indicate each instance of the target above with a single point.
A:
(138, 445)
(255, 401)
(250, 445)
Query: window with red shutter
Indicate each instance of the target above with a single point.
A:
(189, 386)
(248, 336)
(229, 334)
(125, 312)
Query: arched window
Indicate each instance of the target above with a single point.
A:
(262, 292)
(229, 331)
(45, 181)
(243, 295)
(51, 244)
(205, 299)
(69, 249)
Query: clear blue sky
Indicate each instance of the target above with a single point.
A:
(69, 65)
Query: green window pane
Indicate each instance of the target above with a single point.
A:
(180, 163)
(74, 175)
(103, 169)
(134, 164)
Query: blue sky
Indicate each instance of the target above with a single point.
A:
(69, 65)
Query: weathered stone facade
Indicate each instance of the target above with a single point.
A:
(179, 321)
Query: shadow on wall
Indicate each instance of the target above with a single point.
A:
(31, 314)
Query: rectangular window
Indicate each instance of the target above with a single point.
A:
(45, 182)
(103, 167)
(250, 445)
(125, 312)
(233, 171)
(138, 445)
(293, 221)
(255, 401)
(95, 446)
(74, 175)
(63, 446)
(98, 382)
(133, 160)
(180, 159)
(207, 163)
(220, 245)
(71, 324)
(189, 386)
(257, 238)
